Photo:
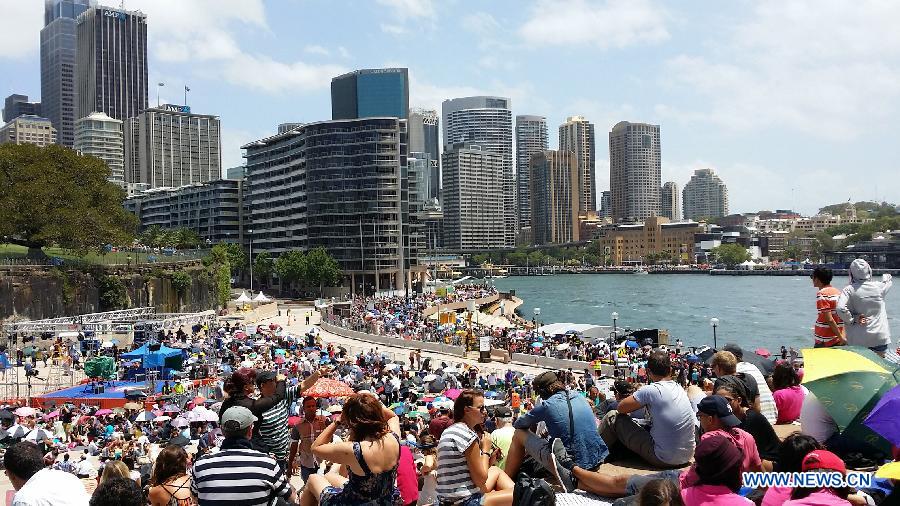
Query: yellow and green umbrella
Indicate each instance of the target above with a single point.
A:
(849, 381)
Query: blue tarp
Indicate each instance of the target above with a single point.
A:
(152, 358)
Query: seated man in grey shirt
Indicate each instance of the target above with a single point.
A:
(671, 438)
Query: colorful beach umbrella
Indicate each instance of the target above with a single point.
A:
(133, 405)
(103, 412)
(763, 352)
(25, 411)
(453, 393)
(883, 419)
(849, 381)
(327, 387)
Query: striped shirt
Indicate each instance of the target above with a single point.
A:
(238, 476)
(826, 302)
(454, 480)
(273, 424)
(767, 405)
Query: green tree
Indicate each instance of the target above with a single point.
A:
(185, 238)
(322, 269)
(54, 197)
(263, 266)
(111, 293)
(291, 266)
(480, 259)
(237, 259)
(730, 254)
(793, 252)
(181, 283)
(219, 270)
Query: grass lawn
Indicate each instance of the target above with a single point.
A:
(122, 257)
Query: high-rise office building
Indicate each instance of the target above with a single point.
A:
(576, 135)
(473, 198)
(635, 170)
(214, 210)
(531, 138)
(605, 204)
(58, 59)
(705, 196)
(28, 130)
(370, 93)
(670, 201)
(18, 105)
(424, 137)
(99, 135)
(287, 127)
(170, 146)
(487, 123)
(339, 185)
(555, 192)
(111, 71)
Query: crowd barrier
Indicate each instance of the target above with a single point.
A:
(516, 358)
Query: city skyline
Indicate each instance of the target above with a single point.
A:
(718, 107)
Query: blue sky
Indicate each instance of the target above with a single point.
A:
(793, 103)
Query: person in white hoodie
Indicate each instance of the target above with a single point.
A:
(861, 307)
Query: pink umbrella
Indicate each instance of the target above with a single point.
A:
(103, 412)
(51, 415)
(763, 352)
(25, 411)
(453, 393)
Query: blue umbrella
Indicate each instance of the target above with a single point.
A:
(537, 345)
(631, 344)
(693, 358)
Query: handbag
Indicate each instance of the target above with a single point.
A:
(530, 491)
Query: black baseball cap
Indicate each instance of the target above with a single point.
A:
(265, 376)
(716, 405)
(503, 412)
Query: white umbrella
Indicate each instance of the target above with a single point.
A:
(145, 416)
(337, 408)
(201, 414)
(107, 344)
(16, 431)
(260, 297)
(562, 347)
(451, 370)
(247, 363)
(180, 422)
(38, 434)
(391, 367)
(163, 418)
(429, 378)
(443, 404)
(25, 411)
(493, 402)
(243, 298)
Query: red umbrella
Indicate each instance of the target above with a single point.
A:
(763, 352)
(327, 387)
(199, 400)
(292, 420)
(103, 411)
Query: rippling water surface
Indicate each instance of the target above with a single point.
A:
(752, 310)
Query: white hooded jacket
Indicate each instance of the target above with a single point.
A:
(865, 297)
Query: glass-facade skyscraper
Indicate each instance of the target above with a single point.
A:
(424, 137)
(370, 93)
(58, 58)
(486, 122)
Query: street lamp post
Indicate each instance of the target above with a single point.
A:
(615, 332)
(537, 312)
(715, 323)
(250, 233)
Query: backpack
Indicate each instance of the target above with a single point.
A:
(533, 492)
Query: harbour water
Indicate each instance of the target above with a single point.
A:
(754, 311)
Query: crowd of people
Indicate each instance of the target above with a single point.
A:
(300, 420)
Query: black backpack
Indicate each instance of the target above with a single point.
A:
(533, 492)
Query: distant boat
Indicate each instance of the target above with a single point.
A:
(640, 270)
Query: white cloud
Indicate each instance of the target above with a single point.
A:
(392, 29)
(608, 24)
(202, 32)
(411, 9)
(316, 49)
(481, 23)
(831, 70)
(20, 26)
(343, 52)
(272, 76)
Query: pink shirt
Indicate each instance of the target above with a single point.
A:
(788, 401)
(712, 495)
(820, 498)
(742, 440)
(407, 476)
(776, 496)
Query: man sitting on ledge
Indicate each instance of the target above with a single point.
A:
(671, 438)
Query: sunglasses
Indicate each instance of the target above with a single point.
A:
(479, 408)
